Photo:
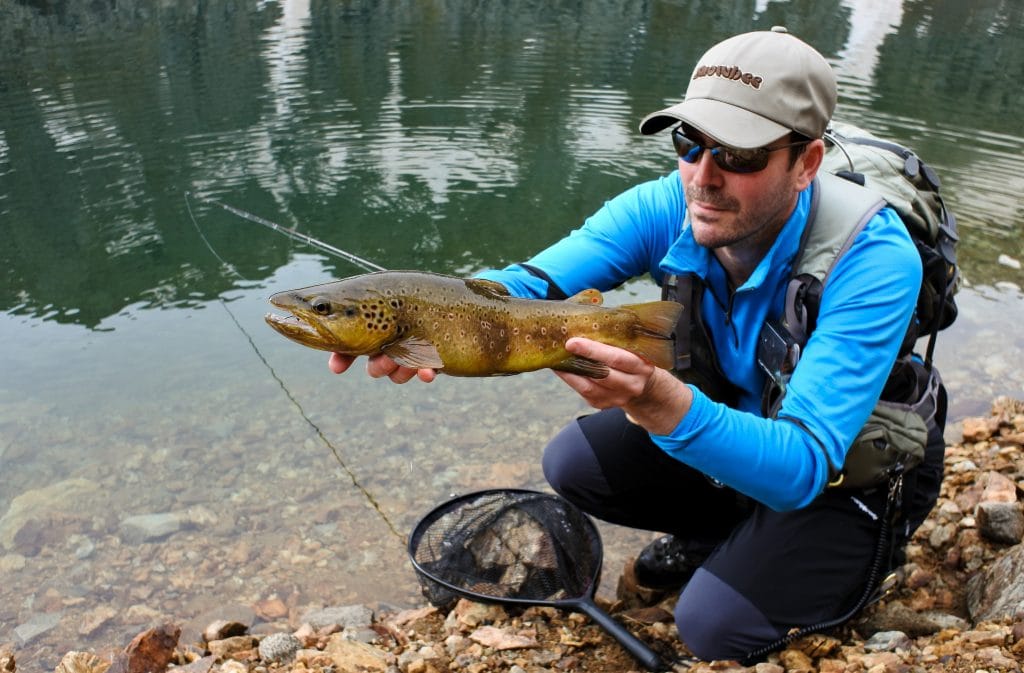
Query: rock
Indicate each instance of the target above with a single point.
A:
(999, 488)
(226, 647)
(888, 662)
(1008, 261)
(979, 429)
(998, 591)
(36, 626)
(150, 527)
(1001, 522)
(95, 619)
(765, 667)
(795, 660)
(888, 641)
(81, 662)
(899, 617)
(10, 563)
(39, 503)
(192, 632)
(470, 614)
(349, 655)
(222, 628)
(203, 665)
(271, 609)
(151, 650)
(279, 648)
(501, 639)
(347, 617)
(992, 658)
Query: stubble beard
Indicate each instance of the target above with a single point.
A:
(736, 224)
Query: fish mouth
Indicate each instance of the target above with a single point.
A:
(297, 329)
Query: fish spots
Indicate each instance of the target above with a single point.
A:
(375, 316)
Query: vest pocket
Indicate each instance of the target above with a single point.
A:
(893, 439)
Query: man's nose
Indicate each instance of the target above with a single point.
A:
(706, 172)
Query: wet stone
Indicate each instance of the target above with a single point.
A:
(149, 527)
(36, 626)
(347, 617)
(888, 641)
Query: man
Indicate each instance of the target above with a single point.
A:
(755, 537)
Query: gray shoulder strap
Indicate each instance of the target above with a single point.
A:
(839, 212)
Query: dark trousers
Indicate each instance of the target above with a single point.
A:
(768, 571)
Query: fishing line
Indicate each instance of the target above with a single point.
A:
(287, 231)
(302, 412)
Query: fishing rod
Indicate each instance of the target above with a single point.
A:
(290, 233)
(359, 261)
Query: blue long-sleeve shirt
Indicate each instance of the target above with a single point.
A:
(868, 301)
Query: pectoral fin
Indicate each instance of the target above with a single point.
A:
(414, 353)
(576, 364)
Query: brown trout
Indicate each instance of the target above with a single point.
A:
(468, 327)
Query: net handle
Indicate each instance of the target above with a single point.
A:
(636, 647)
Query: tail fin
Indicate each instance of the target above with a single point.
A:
(656, 324)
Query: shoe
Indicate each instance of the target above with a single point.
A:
(667, 563)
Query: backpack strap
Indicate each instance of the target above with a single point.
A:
(839, 211)
(696, 361)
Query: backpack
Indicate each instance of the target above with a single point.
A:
(911, 188)
(861, 174)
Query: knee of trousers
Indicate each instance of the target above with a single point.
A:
(716, 622)
(571, 468)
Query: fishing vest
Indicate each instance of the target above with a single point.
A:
(894, 438)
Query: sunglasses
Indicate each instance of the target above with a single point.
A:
(728, 159)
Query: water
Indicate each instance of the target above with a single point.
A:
(137, 376)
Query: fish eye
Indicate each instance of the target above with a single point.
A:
(321, 306)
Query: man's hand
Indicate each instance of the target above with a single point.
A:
(653, 398)
(380, 366)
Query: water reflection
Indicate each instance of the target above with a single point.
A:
(441, 135)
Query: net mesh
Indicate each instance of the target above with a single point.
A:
(506, 545)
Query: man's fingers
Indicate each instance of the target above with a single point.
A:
(614, 357)
(339, 363)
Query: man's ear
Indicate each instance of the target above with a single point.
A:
(808, 163)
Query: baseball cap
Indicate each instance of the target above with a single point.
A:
(754, 88)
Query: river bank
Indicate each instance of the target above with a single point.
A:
(959, 607)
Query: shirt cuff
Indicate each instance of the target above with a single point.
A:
(688, 427)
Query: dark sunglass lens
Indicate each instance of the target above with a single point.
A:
(726, 158)
(687, 150)
(742, 161)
